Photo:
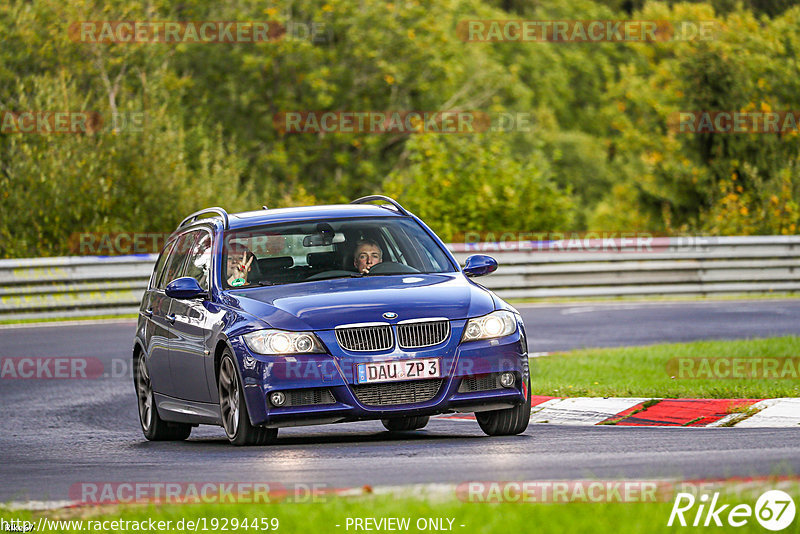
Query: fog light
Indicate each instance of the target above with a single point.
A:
(507, 380)
(277, 398)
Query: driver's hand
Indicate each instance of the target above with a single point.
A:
(365, 270)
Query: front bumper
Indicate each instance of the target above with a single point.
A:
(334, 372)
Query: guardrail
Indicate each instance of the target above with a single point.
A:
(642, 267)
(74, 286)
(90, 286)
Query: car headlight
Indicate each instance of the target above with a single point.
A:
(496, 324)
(282, 342)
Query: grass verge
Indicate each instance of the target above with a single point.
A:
(67, 319)
(651, 371)
(331, 515)
(653, 298)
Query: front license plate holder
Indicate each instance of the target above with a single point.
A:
(398, 370)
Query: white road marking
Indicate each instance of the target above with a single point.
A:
(778, 413)
(760, 405)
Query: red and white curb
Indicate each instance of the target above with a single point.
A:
(629, 411)
(774, 413)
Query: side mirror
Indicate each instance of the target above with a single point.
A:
(479, 265)
(185, 288)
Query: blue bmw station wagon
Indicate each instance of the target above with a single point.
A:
(302, 316)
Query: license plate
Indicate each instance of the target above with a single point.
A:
(398, 370)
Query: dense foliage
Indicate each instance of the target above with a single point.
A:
(600, 154)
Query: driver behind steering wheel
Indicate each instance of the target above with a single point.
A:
(368, 254)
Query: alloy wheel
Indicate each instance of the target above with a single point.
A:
(145, 392)
(229, 397)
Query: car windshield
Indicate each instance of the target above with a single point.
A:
(319, 250)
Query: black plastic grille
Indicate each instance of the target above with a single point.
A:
(392, 393)
(422, 334)
(485, 382)
(365, 338)
(309, 397)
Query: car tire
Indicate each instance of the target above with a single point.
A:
(403, 424)
(507, 422)
(233, 408)
(153, 427)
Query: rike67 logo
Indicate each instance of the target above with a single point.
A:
(774, 510)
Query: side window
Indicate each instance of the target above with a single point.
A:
(199, 262)
(176, 259)
(162, 260)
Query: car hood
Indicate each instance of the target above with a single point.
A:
(325, 304)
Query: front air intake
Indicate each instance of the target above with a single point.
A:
(393, 393)
(365, 338)
(417, 334)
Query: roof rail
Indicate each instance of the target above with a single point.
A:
(193, 217)
(393, 202)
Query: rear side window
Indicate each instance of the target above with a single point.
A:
(199, 261)
(177, 257)
(162, 260)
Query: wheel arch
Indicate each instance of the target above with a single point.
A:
(219, 348)
(138, 349)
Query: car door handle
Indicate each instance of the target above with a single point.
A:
(149, 312)
(171, 318)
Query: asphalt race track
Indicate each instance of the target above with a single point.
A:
(59, 433)
(566, 327)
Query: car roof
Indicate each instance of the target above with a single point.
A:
(249, 219)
